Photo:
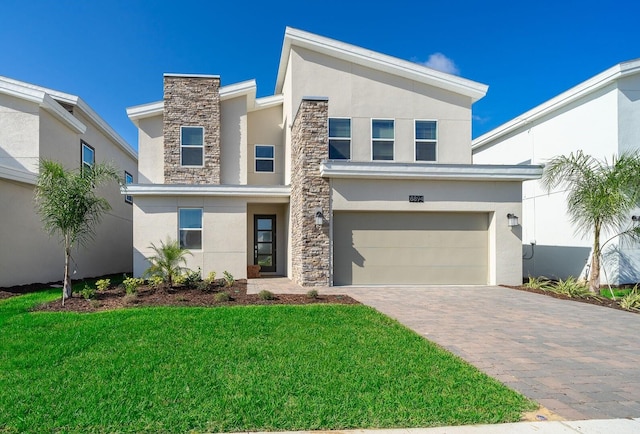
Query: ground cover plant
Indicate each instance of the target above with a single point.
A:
(242, 368)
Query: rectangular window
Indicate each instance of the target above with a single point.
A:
(382, 138)
(191, 146)
(265, 158)
(88, 156)
(339, 139)
(128, 179)
(426, 140)
(190, 228)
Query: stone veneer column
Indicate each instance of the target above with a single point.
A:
(309, 242)
(191, 100)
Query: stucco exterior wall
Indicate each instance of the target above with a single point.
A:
(150, 151)
(233, 141)
(265, 128)
(19, 132)
(495, 198)
(362, 94)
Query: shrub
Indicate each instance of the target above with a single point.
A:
(191, 277)
(155, 281)
(221, 297)
(569, 287)
(312, 293)
(265, 295)
(169, 260)
(537, 282)
(631, 301)
(179, 279)
(103, 284)
(131, 285)
(211, 277)
(228, 278)
(88, 292)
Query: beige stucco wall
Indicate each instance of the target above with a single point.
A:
(19, 131)
(224, 237)
(362, 93)
(150, 151)
(495, 198)
(233, 152)
(265, 128)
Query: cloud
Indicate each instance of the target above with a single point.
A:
(440, 62)
(481, 119)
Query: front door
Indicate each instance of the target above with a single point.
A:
(265, 242)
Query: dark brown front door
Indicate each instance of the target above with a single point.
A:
(265, 242)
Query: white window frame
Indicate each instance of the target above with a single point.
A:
(191, 146)
(201, 229)
(384, 140)
(342, 138)
(84, 145)
(128, 198)
(256, 158)
(416, 140)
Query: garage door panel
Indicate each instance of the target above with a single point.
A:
(410, 248)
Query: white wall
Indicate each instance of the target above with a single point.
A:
(265, 128)
(233, 141)
(150, 151)
(19, 132)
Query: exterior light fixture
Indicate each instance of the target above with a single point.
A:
(319, 217)
(513, 220)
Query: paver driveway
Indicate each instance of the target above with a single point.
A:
(578, 360)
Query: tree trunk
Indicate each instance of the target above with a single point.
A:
(594, 274)
(66, 285)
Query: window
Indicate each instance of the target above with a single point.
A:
(191, 146)
(88, 156)
(339, 139)
(128, 179)
(264, 158)
(190, 227)
(426, 140)
(382, 138)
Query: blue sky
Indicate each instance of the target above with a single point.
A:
(113, 53)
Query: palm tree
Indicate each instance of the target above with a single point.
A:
(600, 197)
(69, 207)
(169, 260)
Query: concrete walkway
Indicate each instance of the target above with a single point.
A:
(578, 360)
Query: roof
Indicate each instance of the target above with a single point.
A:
(374, 60)
(583, 89)
(51, 100)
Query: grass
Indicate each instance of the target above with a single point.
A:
(232, 369)
(618, 292)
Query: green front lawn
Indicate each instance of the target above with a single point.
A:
(232, 369)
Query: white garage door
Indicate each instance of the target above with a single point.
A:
(410, 248)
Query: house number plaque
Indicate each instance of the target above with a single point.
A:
(414, 198)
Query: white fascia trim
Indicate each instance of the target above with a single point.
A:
(268, 102)
(235, 90)
(581, 90)
(142, 111)
(206, 190)
(374, 60)
(454, 172)
(14, 174)
(173, 74)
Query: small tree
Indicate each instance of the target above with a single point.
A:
(600, 197)
(169, 260)
(69, 207)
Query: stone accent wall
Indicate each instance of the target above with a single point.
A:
(310, 250)
(191, 101)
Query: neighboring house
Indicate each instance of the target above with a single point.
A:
(600, 116)
(38, 123)
(356, 171)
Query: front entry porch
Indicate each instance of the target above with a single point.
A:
(267, 240)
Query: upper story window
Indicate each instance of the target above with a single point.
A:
(339, 139)
(190, 228)
(128, 179)
(382, 139)
(191, 146)
(426, 140)
(265, 158)
(88, 156)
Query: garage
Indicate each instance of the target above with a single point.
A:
(410, 248)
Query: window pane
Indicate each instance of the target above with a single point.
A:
(264, 224)
(128, 178)
(265, 260)
(340, 128)
(264, 248)
(264, 151)
(382, 150)
(192, 136)
(425, 151)
(339, 149)
(191, 239)
(192, 156)
(382, 129)
(264, 236)
(190, 218)
(426, 130)
(88, 155)
(264, 165)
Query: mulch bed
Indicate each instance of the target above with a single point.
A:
(598, 301)
(115, 298)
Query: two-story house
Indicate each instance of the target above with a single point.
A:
(356, 171)
(39, 123)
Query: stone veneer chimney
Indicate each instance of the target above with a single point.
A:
(310, 251)
(191, 100)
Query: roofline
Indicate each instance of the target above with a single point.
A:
(374, 60)
(583, 89)
(18, 175)
(282, 192)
